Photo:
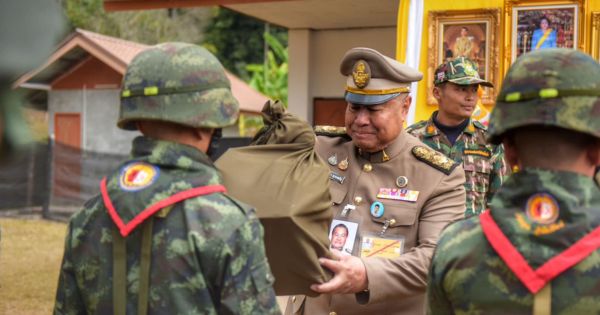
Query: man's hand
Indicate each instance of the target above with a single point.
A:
(350, 275)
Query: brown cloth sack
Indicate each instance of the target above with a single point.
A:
(281, 175)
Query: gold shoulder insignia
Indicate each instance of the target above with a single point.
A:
(435, 159)
(331, 131)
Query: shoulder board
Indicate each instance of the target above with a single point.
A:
(331, 131)
(435, 159)
(417, 125)
(479, 125)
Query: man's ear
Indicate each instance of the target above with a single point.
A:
(202, 133)
(511, 155)
(405, 107)
(593, 153)
(437, 93)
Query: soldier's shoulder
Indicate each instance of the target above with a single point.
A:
(88, 213)
(416, 127)
(434, 158)
(461, 233)
(331, 131)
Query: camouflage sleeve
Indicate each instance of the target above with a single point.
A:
(499, 174)
(248, 283)
(437, 302)
(68, 298)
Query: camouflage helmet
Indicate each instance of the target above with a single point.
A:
(179, 83)
(550, 87)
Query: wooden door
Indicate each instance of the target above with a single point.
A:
(66, 166)
(67, 129)
(329, 111)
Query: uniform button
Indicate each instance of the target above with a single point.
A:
(367, 167)
(358, 200)
(332, 313)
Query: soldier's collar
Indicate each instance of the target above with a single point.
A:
(470, 128)
(430, 129)
(388, 153)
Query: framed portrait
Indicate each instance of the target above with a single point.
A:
(468, 33)
(342, 235)
(536, 24)
(595, 36)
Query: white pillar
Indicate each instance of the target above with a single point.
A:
(413, 50)
(299, 95)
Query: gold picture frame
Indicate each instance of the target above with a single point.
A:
(523, 18)
(595, 36)
(479, 28)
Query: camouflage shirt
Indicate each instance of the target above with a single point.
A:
(207, 253)
(468, 277)
(484, 164)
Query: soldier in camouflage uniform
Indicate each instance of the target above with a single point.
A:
(536, 250)
(163, 237)
(451, 130)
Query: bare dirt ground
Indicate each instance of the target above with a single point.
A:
(30, 256)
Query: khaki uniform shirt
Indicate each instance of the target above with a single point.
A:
(484, 164)
(396, 285)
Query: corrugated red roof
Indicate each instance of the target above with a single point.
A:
(122, 49)
(118, 53)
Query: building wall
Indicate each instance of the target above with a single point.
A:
(315, 59)
(99, 112)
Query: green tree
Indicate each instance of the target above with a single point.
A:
(147, 26)
(237, 40)
(269, 78)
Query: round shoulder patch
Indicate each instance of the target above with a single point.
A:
(138, 175)
(542, 208)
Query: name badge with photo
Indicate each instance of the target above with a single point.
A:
(342, 235)
(377, 246)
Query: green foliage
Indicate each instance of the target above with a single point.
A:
(270, 78)
(148, 26)
(237, 40)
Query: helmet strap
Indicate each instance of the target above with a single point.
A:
(215, 141)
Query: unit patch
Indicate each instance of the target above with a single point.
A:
(435, 159)
(138, 175)
(542, 208)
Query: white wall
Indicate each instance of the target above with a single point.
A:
(315, 59)
(99, 123)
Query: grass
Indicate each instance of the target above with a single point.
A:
(30, 257)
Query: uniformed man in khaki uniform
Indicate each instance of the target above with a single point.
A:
(393, 192)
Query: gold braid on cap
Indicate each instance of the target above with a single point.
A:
(403, 89)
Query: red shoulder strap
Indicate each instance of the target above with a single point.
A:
(125, 229)
(535, 280)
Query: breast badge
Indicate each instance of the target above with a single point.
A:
(398, 194)
(138, 175)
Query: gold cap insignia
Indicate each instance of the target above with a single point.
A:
(361, 74)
